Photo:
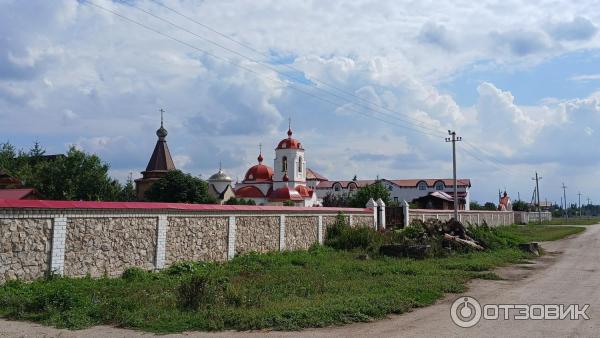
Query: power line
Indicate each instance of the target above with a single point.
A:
(291, 85)
(266, 55)
(249, 69)
(419, 124)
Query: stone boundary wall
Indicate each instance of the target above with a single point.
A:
(524, 217)
(103, 238)
(492, 218)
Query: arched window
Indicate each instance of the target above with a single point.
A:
(284, 164)
(352, 187)
(439, 185)
(300, 165)
(422, 185)
(337, 187)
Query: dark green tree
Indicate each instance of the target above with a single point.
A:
(239, 201)
(179, 187)
(375, 191)
(336, 200)
(74, 176)
(128, 193)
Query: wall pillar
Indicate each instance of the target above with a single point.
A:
(59, 237)
(320, 229)
(161, 241)
(281, 232)
(381, 214)
(231, 238)
(405, 212)
(371, 204)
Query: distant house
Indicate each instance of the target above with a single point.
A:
(19, 194)
(8, 181)
(405, 190)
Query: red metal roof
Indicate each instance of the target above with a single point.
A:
(313, 175)
(249, 191)
(401, 183)
(47, 204)
(285, 194)
(15, 194)
(344, 184)
(289, 143)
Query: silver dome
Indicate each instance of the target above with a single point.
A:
(220, 176)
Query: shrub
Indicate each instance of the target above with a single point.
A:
(200, 290)
(342, 237)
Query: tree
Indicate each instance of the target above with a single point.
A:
(520, 206)
(179, 187)
(489, 206)
(374, 191)
(76, 176)
(336, 200)
(128, 193)
(240, 201)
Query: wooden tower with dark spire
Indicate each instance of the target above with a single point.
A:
(160, 162)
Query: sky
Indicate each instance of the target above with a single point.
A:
(371, 87)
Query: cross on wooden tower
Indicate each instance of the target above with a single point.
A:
(161, 116)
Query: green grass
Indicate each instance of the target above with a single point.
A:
(283, 291)
(571, 221)
(536, 233)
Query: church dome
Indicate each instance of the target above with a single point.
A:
(259, 172)
(220, 176)
(289, 143)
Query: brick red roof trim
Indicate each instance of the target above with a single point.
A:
(47, 204)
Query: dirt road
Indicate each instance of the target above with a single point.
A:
(568, 274)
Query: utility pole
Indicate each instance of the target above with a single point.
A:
(565, 197)
(454, 139)
(537, 190)
(579, 194)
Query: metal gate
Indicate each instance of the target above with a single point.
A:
(394, 217)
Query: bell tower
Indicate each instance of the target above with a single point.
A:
(289, 163)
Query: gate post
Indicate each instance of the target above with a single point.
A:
(405, 213)
(381, 214)
(372, 205)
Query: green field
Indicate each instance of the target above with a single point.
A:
(283, 291)
(571, 221)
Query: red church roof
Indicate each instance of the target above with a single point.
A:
(249, 192)
(285, 194)
(17, 194)
(304, 191)
(259, 172)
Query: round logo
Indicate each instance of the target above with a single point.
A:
(465, 312)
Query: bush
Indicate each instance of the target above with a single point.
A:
(492, 238)
(342, 237)
(200, 290)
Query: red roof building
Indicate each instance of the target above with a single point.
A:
(18, 194)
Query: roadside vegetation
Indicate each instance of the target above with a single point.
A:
(571, 221)
(344, 281)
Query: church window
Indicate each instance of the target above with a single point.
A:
(300, 165)
(284, 164)
(439, 185)
(422, 186)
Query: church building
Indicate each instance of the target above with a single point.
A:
(160, 163)
(286, 182)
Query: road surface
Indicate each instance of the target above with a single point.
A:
(568, 274)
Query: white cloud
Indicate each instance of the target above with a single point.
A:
(72, 74)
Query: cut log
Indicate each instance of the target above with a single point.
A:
(463, 241)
